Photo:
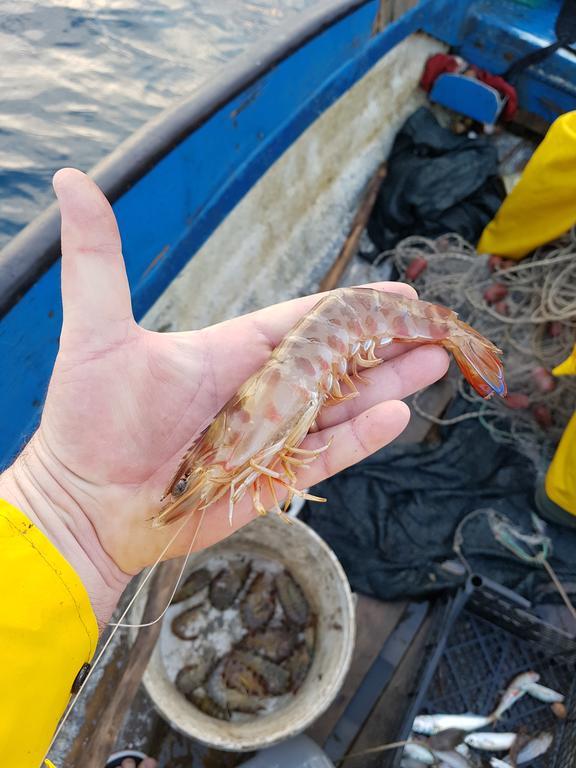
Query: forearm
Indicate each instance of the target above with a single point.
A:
(33, 485)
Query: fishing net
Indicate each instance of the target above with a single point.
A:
(534, 325)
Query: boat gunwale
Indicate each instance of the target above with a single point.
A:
(37, 247)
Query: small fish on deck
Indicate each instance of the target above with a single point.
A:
(415, 751)
(428, 725)
(451, 758)
(534, 748)
(491, 742)
(515, 691)
(548, 695)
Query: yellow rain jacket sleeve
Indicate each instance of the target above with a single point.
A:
(48, 631)
(561, 476)
(542, 206)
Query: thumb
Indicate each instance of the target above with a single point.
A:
(95, 291)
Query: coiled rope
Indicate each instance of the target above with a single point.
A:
(535, 325)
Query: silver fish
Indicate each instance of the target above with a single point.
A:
(530, 751)
(517, 688)
(407, 762)
(428, 725)
(451, 759)
(535, 747)
(542, 693)
(491, 742)
(497, 762)
(419, 752)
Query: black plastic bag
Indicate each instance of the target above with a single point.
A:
(437, 182)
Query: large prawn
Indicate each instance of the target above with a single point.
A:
(255, 438)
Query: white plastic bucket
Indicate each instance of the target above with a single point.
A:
(317, 570)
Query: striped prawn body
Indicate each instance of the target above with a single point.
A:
(253, 442)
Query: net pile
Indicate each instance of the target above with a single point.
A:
(535, 325)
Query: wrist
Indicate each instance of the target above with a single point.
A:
(35, 484)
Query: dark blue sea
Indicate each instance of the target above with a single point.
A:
(76, 78)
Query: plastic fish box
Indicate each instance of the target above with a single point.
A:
(485, 636)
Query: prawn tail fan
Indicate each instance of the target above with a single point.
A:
(479, 361)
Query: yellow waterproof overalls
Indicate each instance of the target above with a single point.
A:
(48, 631)
(541, 208)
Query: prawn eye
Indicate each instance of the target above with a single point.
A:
(180, 487)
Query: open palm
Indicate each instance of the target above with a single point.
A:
(124, 403)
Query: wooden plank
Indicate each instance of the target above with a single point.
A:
(332, 278)
(375, 620)
(383, 725)
(115, 692)
(383, 16)
(401, 7)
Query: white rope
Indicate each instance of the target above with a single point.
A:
(541, 290)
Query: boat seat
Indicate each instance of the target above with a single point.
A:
(496, 35)
(469, 97)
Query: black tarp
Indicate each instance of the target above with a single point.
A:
(391, 519)
(436, 182)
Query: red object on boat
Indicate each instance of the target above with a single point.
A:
(416, 267)
(543, 415)
(504, 88)
(441, 63)
(437, 65)
(517, 401)
(554, 328)
(544, 379)
(494, 263)
(495, 292)
(502, 308)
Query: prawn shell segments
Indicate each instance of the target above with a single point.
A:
(193, 584)
(258, 605)
(274, 643)
(298, 665)
(193, 675)
(292, 599)
(226, 585)
(251, 445)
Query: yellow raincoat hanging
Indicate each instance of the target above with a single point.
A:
(542, 206)
(561, 476)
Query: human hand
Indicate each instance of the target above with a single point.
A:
(124, 404)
